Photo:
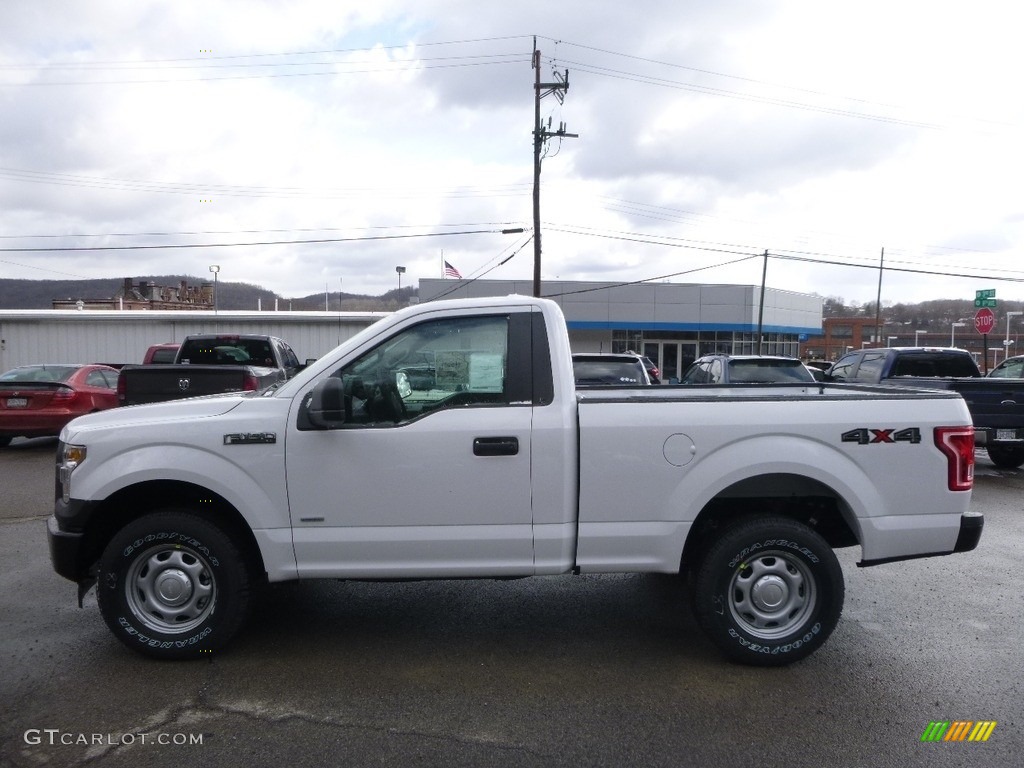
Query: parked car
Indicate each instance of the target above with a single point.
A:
(209, 364)
(652, 370)
(1010, 368)
(609, 370)
(38, 400)
(746, 369)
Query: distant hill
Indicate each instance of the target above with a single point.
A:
(40, 294)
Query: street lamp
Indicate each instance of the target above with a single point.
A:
(400, 271)
(917, 335)
(952, 332)
(215, 268)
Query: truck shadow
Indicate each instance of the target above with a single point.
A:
(540, 617)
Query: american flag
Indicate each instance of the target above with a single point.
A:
(450, 271)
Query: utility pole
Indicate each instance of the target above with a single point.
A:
(540, 136)
(760, 306)
(878, 301)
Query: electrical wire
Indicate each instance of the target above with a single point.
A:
(178, 246)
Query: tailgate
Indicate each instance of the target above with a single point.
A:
(153, 384)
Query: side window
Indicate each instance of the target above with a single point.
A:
(454, 361)
(871, 367)
(97, 379)
(841, 370)
(288, 358)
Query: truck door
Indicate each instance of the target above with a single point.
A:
(426, 473)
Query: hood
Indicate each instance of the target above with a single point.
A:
(189, 409)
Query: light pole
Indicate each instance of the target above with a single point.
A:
(917, 335)
(952, 332)
(400, 271)
(1007, 342)
(215, 268)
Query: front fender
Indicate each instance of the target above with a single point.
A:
(255, 487)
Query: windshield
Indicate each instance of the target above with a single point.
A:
(226, 350)
(1009, 369)
(767, 371)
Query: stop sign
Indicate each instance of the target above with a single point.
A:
(985, 320)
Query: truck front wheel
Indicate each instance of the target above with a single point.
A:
(769, 591)
(1006, 456)
(173, 585)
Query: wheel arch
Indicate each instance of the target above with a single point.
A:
(134, 501)
(779, 494)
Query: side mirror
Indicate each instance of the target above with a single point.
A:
(324, 407)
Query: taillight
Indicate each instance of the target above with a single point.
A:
(63, 396)
(250, 383)
(122, 391)
(958, 445)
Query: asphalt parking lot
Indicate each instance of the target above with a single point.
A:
(559, 671)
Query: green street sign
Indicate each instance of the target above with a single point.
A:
(985, 298)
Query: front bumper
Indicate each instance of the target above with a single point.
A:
(65, 549)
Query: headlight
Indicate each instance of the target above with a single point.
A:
(71, 456)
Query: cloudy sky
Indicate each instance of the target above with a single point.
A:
(316, 144)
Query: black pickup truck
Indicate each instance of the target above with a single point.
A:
(996, 404)
(208, 365)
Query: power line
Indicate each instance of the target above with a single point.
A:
(312, 241)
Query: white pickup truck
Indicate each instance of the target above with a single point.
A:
(449, 441)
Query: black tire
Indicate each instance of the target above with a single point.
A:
(1006, 456)
(5, 441)
(172, 585)
(769, 591)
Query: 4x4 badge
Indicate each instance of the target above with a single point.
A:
(865, 435)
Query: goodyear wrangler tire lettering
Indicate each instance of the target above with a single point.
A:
(769, 591)
(174, 585)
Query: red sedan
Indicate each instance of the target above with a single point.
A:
(38, 400)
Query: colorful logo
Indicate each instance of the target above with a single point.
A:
(958, 730)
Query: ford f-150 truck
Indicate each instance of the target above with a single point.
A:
(210, 365)
(450, 441)
(996, 404)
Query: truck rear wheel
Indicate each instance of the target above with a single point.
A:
(1006, 456)
(173, 585)
(769, 591)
